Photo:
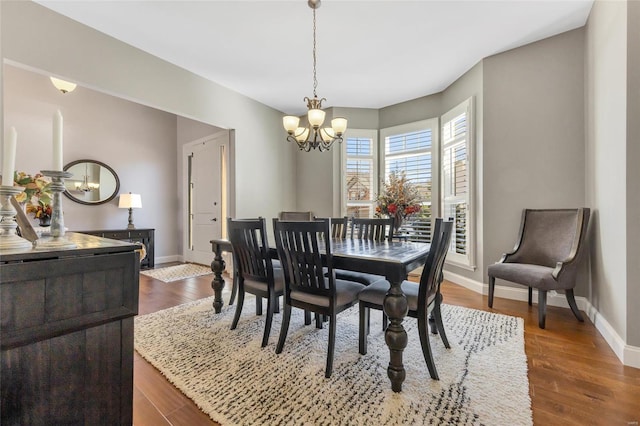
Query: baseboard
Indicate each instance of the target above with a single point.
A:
(168, 259)
(628, 355)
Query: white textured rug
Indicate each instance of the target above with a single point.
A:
(483, 377)
(177, 272)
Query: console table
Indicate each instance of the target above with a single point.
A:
(144, 236)
(67, 333)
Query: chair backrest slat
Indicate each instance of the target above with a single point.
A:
(250, 248)
(377, 229)
(339, 226)
(300, 248)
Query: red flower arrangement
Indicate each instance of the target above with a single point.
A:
(399, 198)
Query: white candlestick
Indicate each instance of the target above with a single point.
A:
(57, 141)
(9, 157)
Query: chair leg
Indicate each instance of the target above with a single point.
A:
(385, 321)
(284, 328)
(492, 286)
(258, 305)
(318, 318)
(572, 303)
(332, 345)
(276, 307)
(234, 289)
(307, 317)
(530, 296)
(542, 307)
(437, 316)
(363, 331)
(423, 331)
(271, 301)
(236, 316)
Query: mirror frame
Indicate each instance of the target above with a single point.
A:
(113, 172)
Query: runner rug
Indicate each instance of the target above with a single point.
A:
(483, 377)
(177, 272)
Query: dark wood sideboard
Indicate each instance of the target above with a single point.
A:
(144, 236)
(67, 333)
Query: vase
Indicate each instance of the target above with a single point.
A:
(397, 223)
(45, 221)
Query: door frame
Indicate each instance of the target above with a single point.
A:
(227, 193)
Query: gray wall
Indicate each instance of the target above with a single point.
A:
(533, 149)
(607, 159)
(39, 38)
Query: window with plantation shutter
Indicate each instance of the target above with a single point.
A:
(456, 180)
(410, 149)
(359, 180)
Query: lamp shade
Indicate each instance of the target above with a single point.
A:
(339, 125)
(130, 201)
(316, 117)
(290, 123)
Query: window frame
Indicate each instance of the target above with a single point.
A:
(364, 134)
(467, 106)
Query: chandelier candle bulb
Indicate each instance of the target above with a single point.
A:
(57, 141)
(9, 157)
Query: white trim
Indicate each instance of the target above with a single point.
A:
(627, 354)
(168, 259)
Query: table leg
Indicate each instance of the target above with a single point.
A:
(396, 308)
(217, 284)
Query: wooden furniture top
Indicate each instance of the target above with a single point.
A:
(86, 244)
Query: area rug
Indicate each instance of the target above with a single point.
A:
(483, 377)
(177, 272)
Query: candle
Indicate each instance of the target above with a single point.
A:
(57, 141)
(9, 157)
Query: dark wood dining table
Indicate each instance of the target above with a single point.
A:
(393, 259)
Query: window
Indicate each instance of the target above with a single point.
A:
(359, 179)
(456, 172)
(411, 148)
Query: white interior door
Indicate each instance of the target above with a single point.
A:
(206, 204)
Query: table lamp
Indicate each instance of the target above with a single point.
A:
(130, 201)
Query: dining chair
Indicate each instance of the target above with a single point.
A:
(297, 216)
(339, 226)
(550, 248)
(367, 229)
(301, 248)
(376, 229)
(255, 272)
(422, 298)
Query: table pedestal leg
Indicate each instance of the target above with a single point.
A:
(396, 308)
(217, 284)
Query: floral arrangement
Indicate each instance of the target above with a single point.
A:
(399, 198)
(37, 194)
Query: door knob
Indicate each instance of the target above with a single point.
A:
(215, 219)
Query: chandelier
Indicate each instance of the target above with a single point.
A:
(314, 136)
(85, 185)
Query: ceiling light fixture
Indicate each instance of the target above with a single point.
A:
(63, 86)
(314, 136)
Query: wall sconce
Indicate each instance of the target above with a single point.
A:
(63, 86)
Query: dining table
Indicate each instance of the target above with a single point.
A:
(392, 259)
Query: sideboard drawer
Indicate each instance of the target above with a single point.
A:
(116, 235)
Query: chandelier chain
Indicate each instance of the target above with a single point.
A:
(315, 80)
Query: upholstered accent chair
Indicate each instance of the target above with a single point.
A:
(254, 271)
(300, 248)
(550, 248)
(422, 298)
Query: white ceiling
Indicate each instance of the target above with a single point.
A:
(371, 54)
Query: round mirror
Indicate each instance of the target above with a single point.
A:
(92, 182)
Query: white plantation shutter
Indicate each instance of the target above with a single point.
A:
(456, 181)
(410, 148)
(359, 177)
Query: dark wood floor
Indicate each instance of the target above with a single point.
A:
(575, 378)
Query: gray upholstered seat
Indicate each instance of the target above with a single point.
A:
(550, 248)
